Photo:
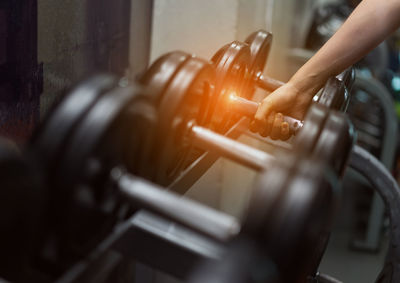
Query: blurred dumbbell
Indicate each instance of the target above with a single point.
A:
(181, 114)
(239, 68)
(89, 192)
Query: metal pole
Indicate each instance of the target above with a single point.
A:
(201, 218)
(231, 149)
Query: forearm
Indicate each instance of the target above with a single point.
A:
(369, 24)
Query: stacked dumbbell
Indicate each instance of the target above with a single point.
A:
(103, 127)
(195, 96)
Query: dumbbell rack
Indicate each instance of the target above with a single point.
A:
(171, 233)
(150, 230)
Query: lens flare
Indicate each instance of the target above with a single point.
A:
(232, 95)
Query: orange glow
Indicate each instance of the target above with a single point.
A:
(233, 95)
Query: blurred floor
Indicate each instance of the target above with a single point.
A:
(351, 266)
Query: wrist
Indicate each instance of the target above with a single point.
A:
(306, 86)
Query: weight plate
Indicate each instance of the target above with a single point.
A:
(336, 92)
(180, 103)
(48, 140)
(299, 197)
(232, 71)
(303, 218)
(83, 207)
(260, 45)
(91, 132)
(137, 143)
(335, 141)
(157, 77)
(305, 141)
(91, 205)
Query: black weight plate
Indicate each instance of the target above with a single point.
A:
(48, 141)
(137, 143)
(87, 205)
(300, 201)
(182, 102)
(157, 77)
(267, 192)
(336, 92)
(305, 141)
(90, 132)
(302, 219)
(260, 45)
(232, 70)
(335, 141)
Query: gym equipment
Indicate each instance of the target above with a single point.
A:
(180, 112)
(336, 133)
(161, 71)
(238, 69)
(89, 193)
(336, 92)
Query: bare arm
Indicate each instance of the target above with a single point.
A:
(369, 24)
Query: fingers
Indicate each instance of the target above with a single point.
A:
(268, 127)
(261, 118)
(274, 126)
(285, 131)
(269, 123)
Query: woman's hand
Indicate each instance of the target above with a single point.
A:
(286, 100)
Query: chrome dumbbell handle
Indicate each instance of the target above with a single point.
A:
(228, 148)
(203, 219)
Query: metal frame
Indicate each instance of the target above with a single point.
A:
(151, 240)
(375, 221)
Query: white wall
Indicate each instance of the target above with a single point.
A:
(203, 26)
(198, 27)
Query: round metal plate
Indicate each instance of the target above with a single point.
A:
(232, 70)
(158, 76)
(91, 132)
(260, 45)
(303, 219)
(291, 211)
(48, 141)
(336, 92)
(335, 141)
(93, 149)
(314, 121)
(182, 102)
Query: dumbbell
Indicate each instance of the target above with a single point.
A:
(181, 111)
(178, 106)
(236, 54)
(234, 63)
(85, 178)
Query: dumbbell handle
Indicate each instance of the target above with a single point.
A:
(228, 148)
(267, 83)
(249, 109)
(201, 218)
